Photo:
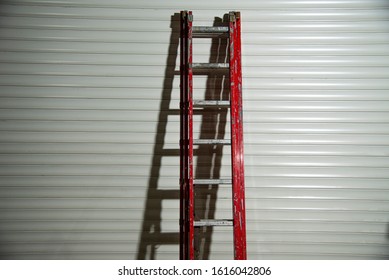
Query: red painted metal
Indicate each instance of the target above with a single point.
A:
(186, 139)
(190, 136)
(182, 136)
(238, 192)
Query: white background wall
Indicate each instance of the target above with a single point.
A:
(89, 130)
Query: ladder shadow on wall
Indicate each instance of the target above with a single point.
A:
(208, 159)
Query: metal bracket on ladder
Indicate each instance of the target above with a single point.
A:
(187, 182)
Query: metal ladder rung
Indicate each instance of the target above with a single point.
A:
(210, 29)
(211, 103)
(212, 181)
(210, 66)
(208, 223)
(211, 141)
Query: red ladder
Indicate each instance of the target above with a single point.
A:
(187, 105)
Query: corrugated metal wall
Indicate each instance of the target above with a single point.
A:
(89, 129)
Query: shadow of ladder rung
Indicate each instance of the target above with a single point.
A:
(151, 235)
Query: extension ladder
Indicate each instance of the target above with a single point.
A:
(188, 68)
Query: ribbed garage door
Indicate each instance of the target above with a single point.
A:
(89, 129)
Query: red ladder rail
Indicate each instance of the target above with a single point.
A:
(237, 160)
(186, 141)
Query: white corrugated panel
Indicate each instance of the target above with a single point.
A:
(89, 129)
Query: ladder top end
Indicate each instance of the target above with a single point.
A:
(186, 13)
(234, 15)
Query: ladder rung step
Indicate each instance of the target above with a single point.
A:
(206, 103)
(211, 141)
(208, 223)
(210, 65)
(210, 29)
(212, 181)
